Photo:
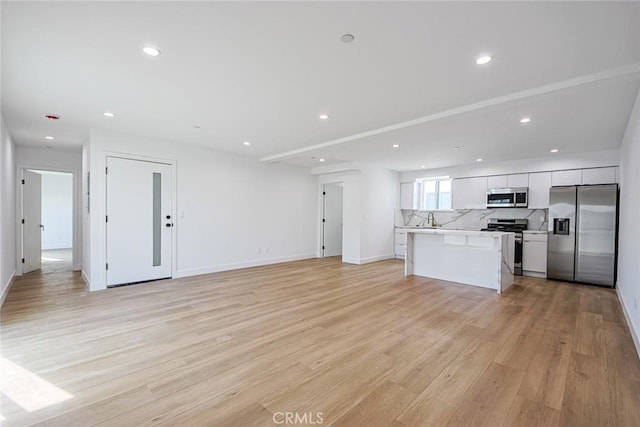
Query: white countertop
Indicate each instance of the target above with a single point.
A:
(535, 232)
(459, 232)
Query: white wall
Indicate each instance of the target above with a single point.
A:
(57, 210)
(7, 209)
(380, 197)
(58, 161)
(629, 236)
(86, 218)
(228, 207)
(370, 198)
(558, 161)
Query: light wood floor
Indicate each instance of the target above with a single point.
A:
(363, 345)
(56, 260)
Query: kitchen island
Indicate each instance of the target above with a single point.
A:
(475, 258)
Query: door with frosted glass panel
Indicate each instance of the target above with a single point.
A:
(139, 221)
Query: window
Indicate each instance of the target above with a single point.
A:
(436, 194)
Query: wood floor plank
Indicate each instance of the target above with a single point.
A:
(589, 336)
(437, 404)
(379, 408)
(525, 413)
(546, 375)
(488, 401)
(363, 344)
(587, 400)
(519, 344)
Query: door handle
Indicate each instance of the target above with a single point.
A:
(42, 227)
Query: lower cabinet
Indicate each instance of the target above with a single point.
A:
(400, 243)
(534, 254)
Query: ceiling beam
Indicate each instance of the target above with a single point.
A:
(631, 71)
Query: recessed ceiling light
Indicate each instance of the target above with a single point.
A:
(246, 143)
(151, 51)
(482, 60)
(555, 150)
(525, 120)
(48, 137)
(455, 148)
(395, 146)
(324, 116)
(478, 160)
(108, 114)
(422, 166)
(321, 160)
(347, 38)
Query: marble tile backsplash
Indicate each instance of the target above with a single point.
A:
(473, 219)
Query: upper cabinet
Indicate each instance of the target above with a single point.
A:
(599, 176)
(539, 184)
(408, 195)
(508, 181)
(498, 181)
(518, 180)
(470, 193)
(568, 177)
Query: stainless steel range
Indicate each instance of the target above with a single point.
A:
(516, 226)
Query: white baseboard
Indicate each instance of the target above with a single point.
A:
(627, 317)
(236, 266)
(377, 258)
(349, 260)
(87, 283)
(7, 288)
(534, 274)
(77, 267)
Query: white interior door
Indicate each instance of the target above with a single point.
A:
(31, 221)
(332, 220)
(139, 221)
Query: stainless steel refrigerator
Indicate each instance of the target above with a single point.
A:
(583, 234)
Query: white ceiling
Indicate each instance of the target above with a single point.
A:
(264, 72)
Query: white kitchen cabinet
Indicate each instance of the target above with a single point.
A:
(400, 243)
(599, 176)
(568, 177)
(498, 181)
(518, 180)
(409, 195)
(539, 185)
(534, 254)
(470, 193)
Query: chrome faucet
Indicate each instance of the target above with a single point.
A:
(433, 219)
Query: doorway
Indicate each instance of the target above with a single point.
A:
(332, 222)
(139, 221)
(47, 221)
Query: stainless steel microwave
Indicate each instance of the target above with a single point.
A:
(508, 197)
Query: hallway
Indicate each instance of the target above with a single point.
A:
(56, 261)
